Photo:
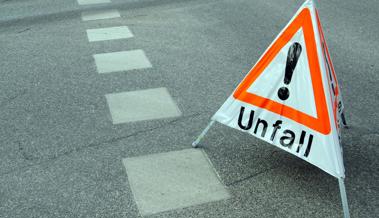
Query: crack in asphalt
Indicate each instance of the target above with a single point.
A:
(251, 176)
(94, 144)
(24, 30)
(116, 139)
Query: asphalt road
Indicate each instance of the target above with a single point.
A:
(60, 154)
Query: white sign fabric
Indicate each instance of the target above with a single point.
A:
(291, 98)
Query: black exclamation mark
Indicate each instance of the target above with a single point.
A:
(292, 58)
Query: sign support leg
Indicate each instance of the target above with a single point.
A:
(195, 143)
(345, 205)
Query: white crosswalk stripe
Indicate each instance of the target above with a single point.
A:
(173, 180)
(141, 105)
(91, 2)
(121, 61)
(109, 33)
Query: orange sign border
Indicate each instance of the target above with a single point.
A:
(321, 123)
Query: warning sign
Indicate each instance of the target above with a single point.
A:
(292, 55)
(291, 98)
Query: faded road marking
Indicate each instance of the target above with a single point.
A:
(141, 105)
(173, 180)
(91, 2)
(121, 61)
(109, 33)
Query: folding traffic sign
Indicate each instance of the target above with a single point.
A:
(287, 97)
(291, 98)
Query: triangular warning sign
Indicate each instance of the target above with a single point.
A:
(299, 31)
(290, 97)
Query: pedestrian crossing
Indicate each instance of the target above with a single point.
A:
(126, 61)
(159, 182)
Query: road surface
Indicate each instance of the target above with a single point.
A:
(65, 142)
